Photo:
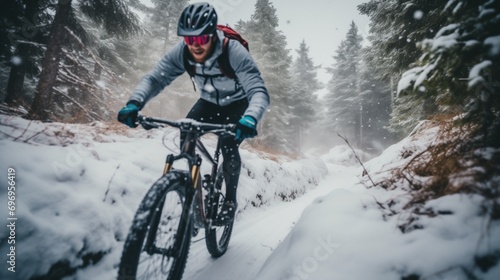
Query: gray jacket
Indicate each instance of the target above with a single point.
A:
(210, 82)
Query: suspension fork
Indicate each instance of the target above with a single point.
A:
(168, 164)
(195, 171)
(195, 168)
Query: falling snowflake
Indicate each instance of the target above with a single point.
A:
(16, 60)
(418, 15)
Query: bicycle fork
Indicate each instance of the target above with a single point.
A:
(188, 202)
(195, 168)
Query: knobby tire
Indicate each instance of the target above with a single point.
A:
(165, 196)
(217, 238)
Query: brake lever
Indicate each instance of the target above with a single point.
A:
(148, 125)
(230, 132)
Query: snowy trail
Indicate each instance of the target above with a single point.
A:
(73, 208)
(258, 231)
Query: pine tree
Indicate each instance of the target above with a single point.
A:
(114, 16)
(40, 108)
(303, 102)
(396, 28)
(22, 35)
(161, 23)
(460, 63)
(268, 47)
(375, 101)
(343, 100)
(95, 69)
(164, 17)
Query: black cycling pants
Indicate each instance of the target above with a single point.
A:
(204, 111)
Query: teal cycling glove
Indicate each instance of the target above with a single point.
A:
(246, 128)
(128, 114)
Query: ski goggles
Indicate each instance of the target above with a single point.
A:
(201, 40)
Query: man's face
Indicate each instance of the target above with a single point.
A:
(200, 51)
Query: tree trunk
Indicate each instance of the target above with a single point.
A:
(16, 80)
(40, 108)
(14, 92)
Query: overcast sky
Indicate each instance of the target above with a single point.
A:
(321, 23)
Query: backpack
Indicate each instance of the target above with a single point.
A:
(223, 59)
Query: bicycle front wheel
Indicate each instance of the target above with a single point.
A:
(217, 238)
(158, 242)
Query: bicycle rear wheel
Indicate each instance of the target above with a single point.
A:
(157, 245)
(217, 238)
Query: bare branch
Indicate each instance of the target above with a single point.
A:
(357, 158)
(109, 184)
(79, 105)
(35, 135)
(25, 129)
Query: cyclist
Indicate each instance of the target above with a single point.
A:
(242, 100)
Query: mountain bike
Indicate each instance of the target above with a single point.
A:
(177, 206)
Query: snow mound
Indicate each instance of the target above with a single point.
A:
(345, 230)
(343, 155)
(352, 228)
(61, 134)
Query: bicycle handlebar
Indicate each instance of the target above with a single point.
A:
(186, 125)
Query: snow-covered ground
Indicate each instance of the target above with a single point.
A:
(344, 235)
(78, 186)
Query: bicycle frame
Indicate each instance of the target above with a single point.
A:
(197, 210)
(194, 194)
(188, 152)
